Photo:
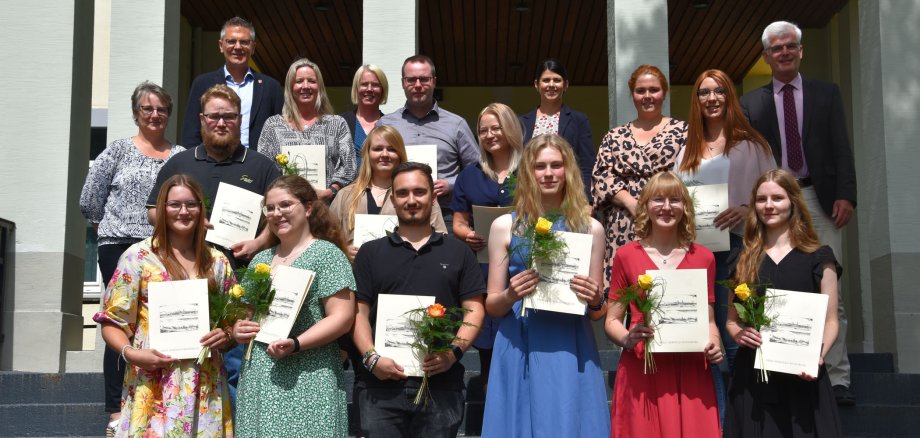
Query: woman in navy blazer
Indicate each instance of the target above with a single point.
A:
(553, 117)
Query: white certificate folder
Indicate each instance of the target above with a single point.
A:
(792, 342)
(682, 324)
(178, 316)
(291, 286)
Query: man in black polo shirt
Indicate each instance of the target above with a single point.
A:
(221, 159)
(415, 260)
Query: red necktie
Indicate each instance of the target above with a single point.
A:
(793, 139)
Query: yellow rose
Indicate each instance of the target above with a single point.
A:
(263, 269)
(237, 291)
(742, 292)
(281, 159)
(543, 226)
(645, 281)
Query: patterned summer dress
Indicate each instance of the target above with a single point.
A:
(184, 399)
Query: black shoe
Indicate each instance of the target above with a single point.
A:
(844, 396)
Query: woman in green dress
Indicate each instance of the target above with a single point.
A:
(295, 386)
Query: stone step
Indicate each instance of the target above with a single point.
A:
(871, 362)
(865, 420)
(886, 389)
(53, 419)
(34, 388)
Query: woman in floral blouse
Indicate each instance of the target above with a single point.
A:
(630, 154)
(164, 396)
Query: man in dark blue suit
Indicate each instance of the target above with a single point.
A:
(804, 123)
(261, 95)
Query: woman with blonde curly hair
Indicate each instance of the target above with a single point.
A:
(545, 377)
(782, 250)
(679, 399)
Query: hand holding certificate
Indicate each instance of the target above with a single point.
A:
(291, 286)
(682, 320)
(791, 343)
(178, 316)
(553, 291)
(235, 215)
(394, 337)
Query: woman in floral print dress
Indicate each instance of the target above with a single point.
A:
(630, 154)
(164, 396)
(295, 387)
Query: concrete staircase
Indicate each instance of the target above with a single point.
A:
(70, 404)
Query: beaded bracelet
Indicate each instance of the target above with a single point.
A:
(127, 346)
(367, 355)
(373, 364)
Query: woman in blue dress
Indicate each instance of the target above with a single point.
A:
(546, 378)
(500, 145)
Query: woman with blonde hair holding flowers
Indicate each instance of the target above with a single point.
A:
(678, 399)
(781, 250)
(545, 377)
(295, 386)
(164, 396)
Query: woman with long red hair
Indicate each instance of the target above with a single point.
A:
(164, 396)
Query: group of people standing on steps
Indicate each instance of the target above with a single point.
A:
(782, 150)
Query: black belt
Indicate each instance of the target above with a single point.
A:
(804, 182)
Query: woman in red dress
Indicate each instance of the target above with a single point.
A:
(678, 399)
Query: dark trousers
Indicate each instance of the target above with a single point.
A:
(391, 413)
(113, 367)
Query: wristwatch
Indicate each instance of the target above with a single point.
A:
(458, 352)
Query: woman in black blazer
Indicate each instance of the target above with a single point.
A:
(553, 117)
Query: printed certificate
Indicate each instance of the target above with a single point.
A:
(792, 342)
(482, 221)
(373, 226)
(710, 200)
(394, 335)
(235, 215)
(291, 286)
(426, 154)
(310, 160)
(553, 290)
(178, 316)
(682, 325)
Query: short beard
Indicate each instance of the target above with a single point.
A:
(220, 145)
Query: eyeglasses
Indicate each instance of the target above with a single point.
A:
(283, 207)
(423, 79)
(242, 43)
(148, 110)
(659, 201)
(189, 205)
(495, 130)
(792, 47)
(705, 92)
(228, 118)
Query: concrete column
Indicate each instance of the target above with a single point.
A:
(144, 46)
(889, 214)
(390, 35)
(46, 126)
(637, 33)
